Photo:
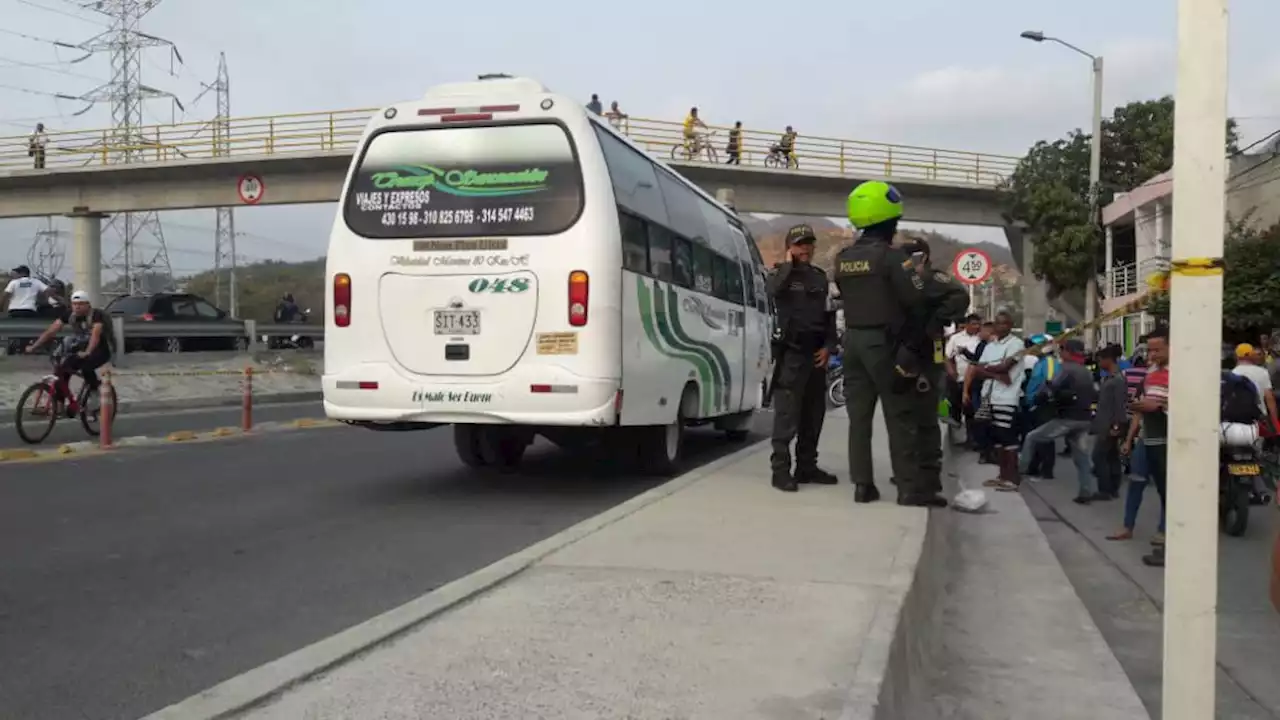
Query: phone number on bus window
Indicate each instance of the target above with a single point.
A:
(457, 217)
(392, 200)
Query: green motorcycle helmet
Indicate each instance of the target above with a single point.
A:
(873, 202)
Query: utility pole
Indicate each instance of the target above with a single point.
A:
(124, 43)
(224, 233)
(47, 255)
(1199, 184)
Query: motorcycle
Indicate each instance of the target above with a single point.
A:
(1239, 468)
(293, 342)
(835, 382)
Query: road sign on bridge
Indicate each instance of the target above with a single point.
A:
(251, 189)
(971, 266)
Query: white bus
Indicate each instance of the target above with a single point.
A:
(506, 262)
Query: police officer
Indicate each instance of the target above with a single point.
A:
(879, 289)
(805, 338)
(945, 302)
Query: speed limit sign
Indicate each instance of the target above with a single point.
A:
(971, 266)
(251, 189)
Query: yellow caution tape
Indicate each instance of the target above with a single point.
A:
(1198, 267)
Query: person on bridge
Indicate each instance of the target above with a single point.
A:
(37, 145)
(806, 336)
(880, 289)
(734, 148)
(786, 146)
(691, 125)
(89, 346)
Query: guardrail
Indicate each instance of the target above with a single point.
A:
(304, 133)
(168, 335)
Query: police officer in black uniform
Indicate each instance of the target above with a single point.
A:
(880, 289)
(805, 337)
(945, 302)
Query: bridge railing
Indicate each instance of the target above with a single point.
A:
(341, 129)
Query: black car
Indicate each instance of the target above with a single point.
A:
(184, 314)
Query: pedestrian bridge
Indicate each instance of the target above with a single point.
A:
(303, 158)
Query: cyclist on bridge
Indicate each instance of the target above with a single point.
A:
(786, 145)
(89, 347)
(691, 125)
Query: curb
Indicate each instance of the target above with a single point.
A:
(87, 448)
(205, 403)
(256, 686)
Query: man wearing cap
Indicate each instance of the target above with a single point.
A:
(802, 346)
(1074, 395)
(1249, 364)
(89, 345)
(23, 293)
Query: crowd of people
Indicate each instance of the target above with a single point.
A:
(1018, 398)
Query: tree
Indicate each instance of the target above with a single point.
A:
(1049, 190)
(1250, 284)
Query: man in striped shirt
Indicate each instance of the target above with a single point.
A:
(1151, 418)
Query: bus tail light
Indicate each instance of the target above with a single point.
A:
(342, 299)
(579, 294)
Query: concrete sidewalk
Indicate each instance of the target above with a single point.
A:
(726, 599)
(717, 597)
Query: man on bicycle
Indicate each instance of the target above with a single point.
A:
(88, 348)
(691, 125)
(786, 146)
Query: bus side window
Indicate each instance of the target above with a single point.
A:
(734, 271)
(635, 243)
(702, 270)
(719, 277)
(660, 252)
(682, 262)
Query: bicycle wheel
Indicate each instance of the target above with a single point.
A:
(91, 410)
(712, 156)
(37, 413)
(771, 161)
(679, 152)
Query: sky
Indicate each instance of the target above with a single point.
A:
(935, 73)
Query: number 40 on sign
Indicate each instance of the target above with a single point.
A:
(971, 267)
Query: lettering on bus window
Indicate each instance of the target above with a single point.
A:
(703, 270)
(466, 182)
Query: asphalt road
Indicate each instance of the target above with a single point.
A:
(1125, 597)
(131, 581)
(156, 424)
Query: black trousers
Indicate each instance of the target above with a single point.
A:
(799, 408)
(1106, 463)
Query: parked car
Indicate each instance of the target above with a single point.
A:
(183, 308)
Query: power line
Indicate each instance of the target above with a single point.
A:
(63, 13)
(49, 68)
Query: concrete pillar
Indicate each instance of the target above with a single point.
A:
(725, 197)
(87, 254)
(1035, 297)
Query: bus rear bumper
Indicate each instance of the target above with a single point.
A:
(379, 393)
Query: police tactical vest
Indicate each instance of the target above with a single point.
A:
(862, 274)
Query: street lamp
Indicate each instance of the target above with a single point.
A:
(1095, 170)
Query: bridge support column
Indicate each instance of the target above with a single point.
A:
(87, 254)
(725, 197)
(1035, 298)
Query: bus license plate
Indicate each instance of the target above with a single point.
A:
(1243, 469)
(457, 322)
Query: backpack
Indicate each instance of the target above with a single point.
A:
(1239, 399)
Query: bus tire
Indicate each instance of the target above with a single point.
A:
(502, 447)
(466, 442)
(661, 447)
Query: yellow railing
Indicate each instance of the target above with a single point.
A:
(340, 130)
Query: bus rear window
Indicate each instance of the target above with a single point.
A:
(466, 182)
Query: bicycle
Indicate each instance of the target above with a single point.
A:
(47, 403)
(779, 159)
(701, 143)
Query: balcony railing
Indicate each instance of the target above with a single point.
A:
(1131, 278)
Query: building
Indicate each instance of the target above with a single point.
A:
(1139, 234)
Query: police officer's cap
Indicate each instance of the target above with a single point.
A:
(801, 234)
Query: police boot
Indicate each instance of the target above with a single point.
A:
(817, 476)
(783, 481)
(866, 493)
(922, 500)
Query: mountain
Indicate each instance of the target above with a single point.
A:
(261, 286)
